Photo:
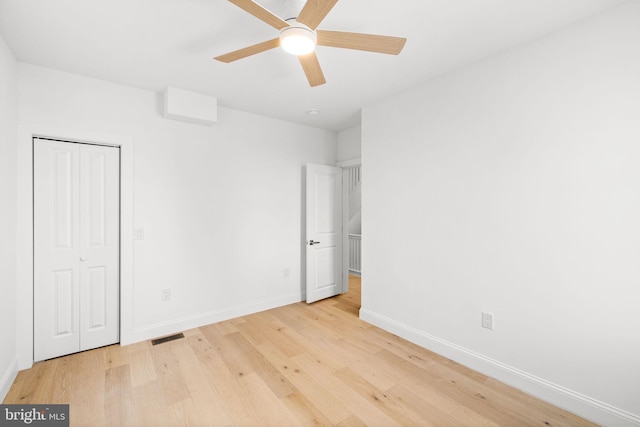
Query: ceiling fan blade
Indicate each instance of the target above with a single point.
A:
(314, 11)
(312, 69)
(248, 51)
(261, 13)
(359, 41)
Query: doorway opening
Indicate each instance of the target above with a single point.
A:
(351, 300)
(333, 232)
(352, 242)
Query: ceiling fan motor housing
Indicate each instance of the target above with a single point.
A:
(297, 38)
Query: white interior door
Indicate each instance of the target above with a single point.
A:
(76, 247)
(324, 232)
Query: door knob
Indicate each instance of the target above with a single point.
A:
(311, 243)
(82, 258)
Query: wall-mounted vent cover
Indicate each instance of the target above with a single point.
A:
(190, 107)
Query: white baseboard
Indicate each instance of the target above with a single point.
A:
(8, 376)
(579, 404)
(202, 319)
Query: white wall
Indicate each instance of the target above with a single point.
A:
(8, 200)
(349, 143)
(221, 206)
(511, 186)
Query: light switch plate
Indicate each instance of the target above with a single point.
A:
(138, 233)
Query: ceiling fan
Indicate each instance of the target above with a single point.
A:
(299, 37)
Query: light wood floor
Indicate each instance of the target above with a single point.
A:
(297, 365)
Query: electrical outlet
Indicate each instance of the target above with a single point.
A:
(166, 294)
(487, 320)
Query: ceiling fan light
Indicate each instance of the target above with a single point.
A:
(298, 40)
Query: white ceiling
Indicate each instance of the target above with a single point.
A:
(151, 44)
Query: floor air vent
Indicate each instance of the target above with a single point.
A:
(167, 339)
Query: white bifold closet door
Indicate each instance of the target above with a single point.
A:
(76, 223)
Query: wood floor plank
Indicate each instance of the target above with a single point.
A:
(429, 412)
(469, 417)
(228, 326)
(421, 385)
(348, 308)
(352, 421)
(223, 379)
(81, 378)
(324, 399)
(465, 395)
(141, 367)
(289, 318)
(167, 365)
(452, 374)
(236, 362)
(259, 399)
(368, 368)
(38, 386)
(380, 399)
(263, 327)
(318, 346)
(117, 396)
(363, 408)
(306, 413)
(269, 374)
(149, 405)
(298, 365)
(535, 409)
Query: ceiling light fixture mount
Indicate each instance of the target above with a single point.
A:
(298, 39)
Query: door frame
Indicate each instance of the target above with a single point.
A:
(344, 165)
(24, 250)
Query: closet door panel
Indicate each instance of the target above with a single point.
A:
(99, 244)
(56, 226)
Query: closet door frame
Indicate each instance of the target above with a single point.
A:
(24, 252)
